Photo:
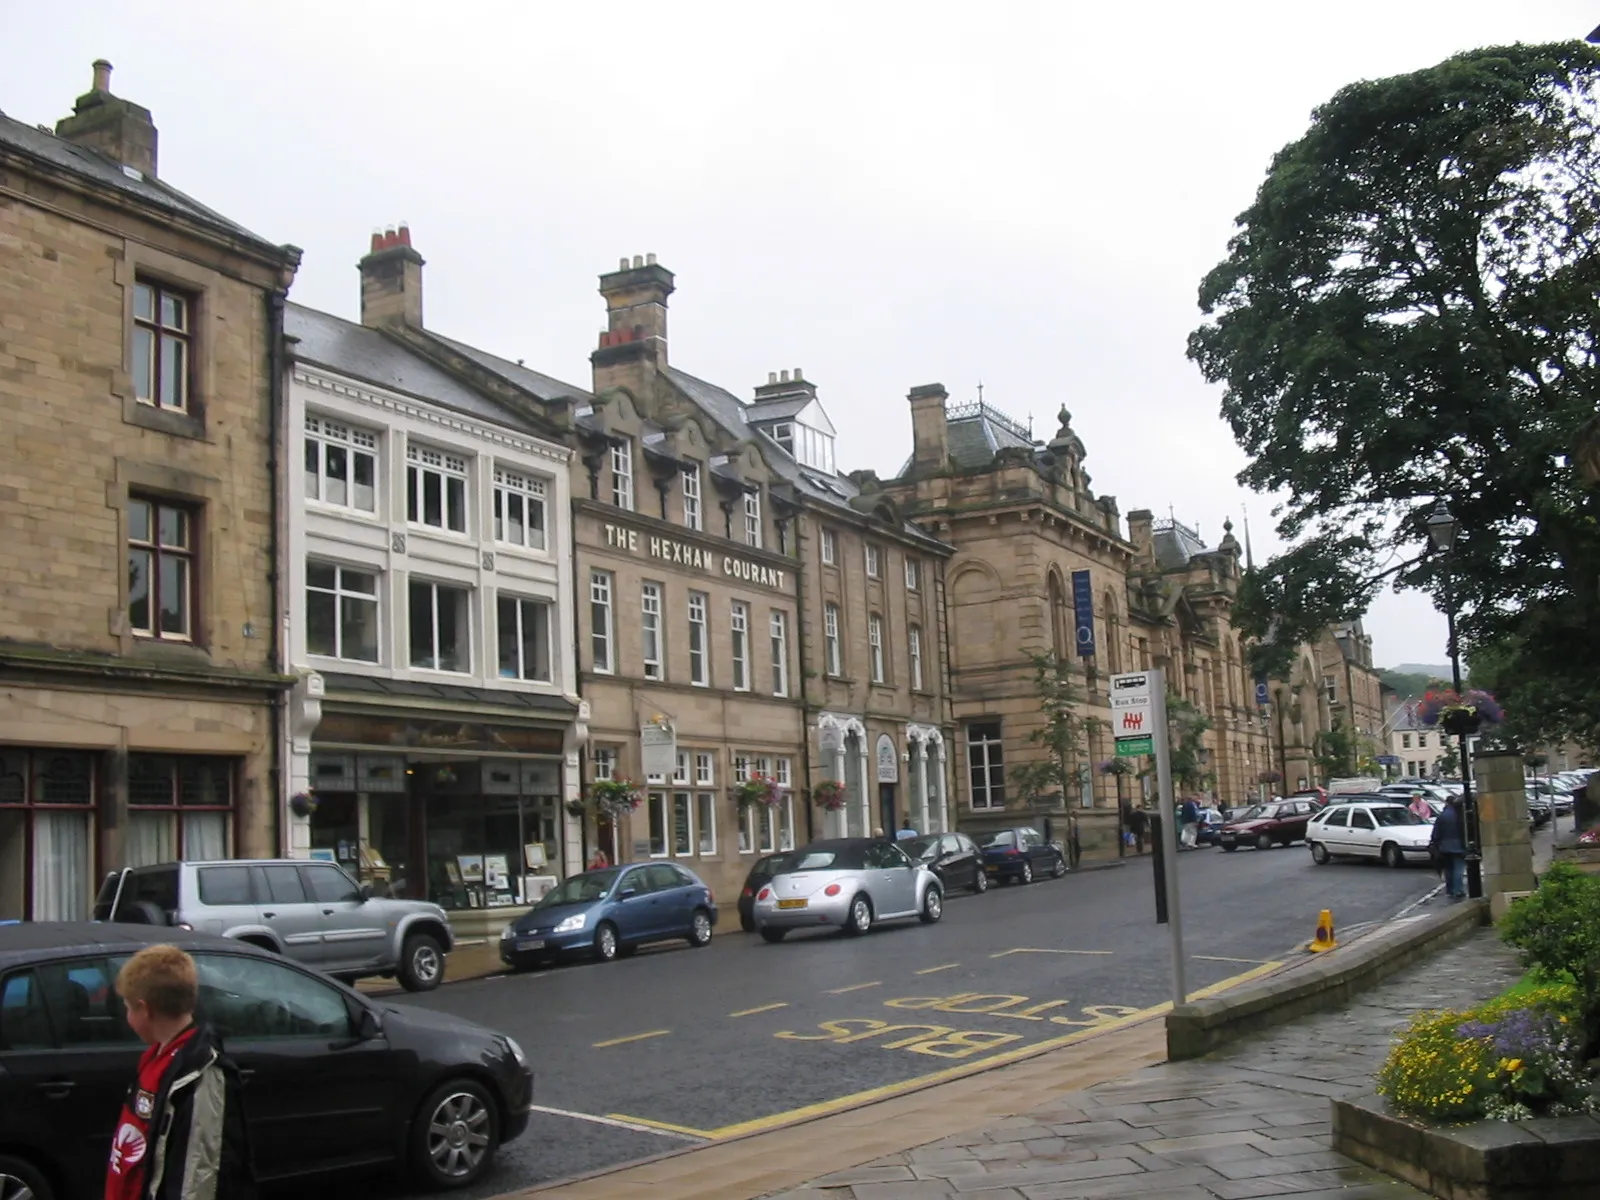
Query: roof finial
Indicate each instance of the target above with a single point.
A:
(1249, 559)
(980, 391)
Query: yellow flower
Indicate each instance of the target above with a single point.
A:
(1513, 1064)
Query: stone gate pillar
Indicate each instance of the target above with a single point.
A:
(1503, 827)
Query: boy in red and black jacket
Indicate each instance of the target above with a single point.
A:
(182, 1131)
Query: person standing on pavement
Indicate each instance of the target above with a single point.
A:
(1449, 847)
(1189, 815)
(1420, 806)
(907, 830)
(1138, 823)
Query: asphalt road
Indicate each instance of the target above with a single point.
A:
(678, 1045)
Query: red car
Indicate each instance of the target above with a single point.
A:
(1319, 795)
(1267, 825)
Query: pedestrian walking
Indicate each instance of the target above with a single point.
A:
(1189, 815)
(1449, 846)
(906, 830)
(1139, 823)
(1420, 806)
(182, 1134)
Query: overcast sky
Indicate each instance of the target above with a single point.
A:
(885, 194)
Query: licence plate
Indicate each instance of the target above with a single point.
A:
(792, 903)
(531, 944)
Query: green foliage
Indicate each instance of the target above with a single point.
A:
(1558, 931)
(1407, 684)
(1188, 726)
(1449, 761)
(1406, 314)
(1061, 736)
(1541, 698)
(1334, 751)
(1434, 1072)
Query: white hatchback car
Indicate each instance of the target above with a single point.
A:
(1391, 832)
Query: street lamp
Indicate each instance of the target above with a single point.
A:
(1442, 527)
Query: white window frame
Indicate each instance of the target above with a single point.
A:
(693, 516)
(689, 841)
(874, 558)
(705, 815)
(778, 628)
(604, 759)
(449, 467)
(783, 774)
(434, 587)
(830, 640)
(913, 574)
(653, 798)
(741, 772)
(875, 656)
(739, 636)
(989, 803)
(323, 435)
(341, 594)
(622, 473)
(603, 632)
(752, 517)
(548, 610)
(653, 657)
(516, 489)
(699, 639)
(914, 656)
(830, 546)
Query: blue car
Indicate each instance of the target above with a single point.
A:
(610, 913)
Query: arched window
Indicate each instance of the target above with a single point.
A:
(1113, 634)
(1059, 640)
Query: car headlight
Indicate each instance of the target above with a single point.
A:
(509, 932)
(577, 921)
(516, 1051)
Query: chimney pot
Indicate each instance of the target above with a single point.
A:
(783, 377)
(102, 75)
(405, 234)
(649, 260)
(377, 240)
(772, 377)
(638, 261)
(798, 375)
(623, 264)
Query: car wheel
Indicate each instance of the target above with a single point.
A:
(1264, 842)
(456, 1135)
(700, 928)
(860, 918)
(1060, 869)
(605, 941)
(769, 934)
(932, 906)
(21, 1180)
(1392, 856)
(1027, 872)
(1230, 847)
(1320, 855)
(748, 924)
(421, 963)
(980, 882)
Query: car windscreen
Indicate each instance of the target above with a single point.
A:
(1004, 838)
(922, 849)
(1393, 814)
(1255, 812)
(581, 889)
(830, 858)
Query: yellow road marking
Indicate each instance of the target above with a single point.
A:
(827, 1107)
(1220, 958)
(931, 970)
(855, 987)
(664, 1126)
(632, 1037)
(750, 1012)
(1027, 950)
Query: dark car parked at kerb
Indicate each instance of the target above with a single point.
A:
(764, 869)
(953, 857)
(1021, 854)
(333, 1079)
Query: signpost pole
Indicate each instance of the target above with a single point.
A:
(1169, 826)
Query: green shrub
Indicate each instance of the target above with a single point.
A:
(1558, 931)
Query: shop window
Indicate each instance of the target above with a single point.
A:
(524, 638)
(706, 821)
(682, 824)
(493, 830)
(180, 807)
(660, 820)
(47, 800)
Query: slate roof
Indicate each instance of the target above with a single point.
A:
(974, 440)
(92, 165)
(1175, 546)
(777, 410)
(546, 387)
(366, 354)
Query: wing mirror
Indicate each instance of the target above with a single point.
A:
(369, 1026)
(626, 892)
(366, 892)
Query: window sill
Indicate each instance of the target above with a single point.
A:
(336, 663)
(328, 508)
(452, 536)
(163, 420)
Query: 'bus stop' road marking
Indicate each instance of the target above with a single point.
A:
(931, 970)
(750, 1012)
(1030, 950)
(854, 987)
(632, 1037)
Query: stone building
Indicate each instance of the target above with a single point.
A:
(430, 616)
(138, 638)
(1354, 688)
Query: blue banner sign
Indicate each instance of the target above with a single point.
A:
(1083, 612)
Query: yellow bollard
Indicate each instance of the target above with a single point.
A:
(1324, 939)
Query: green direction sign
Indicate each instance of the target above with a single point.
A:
(1134, 746)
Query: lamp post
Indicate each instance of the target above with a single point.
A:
(1442, 532)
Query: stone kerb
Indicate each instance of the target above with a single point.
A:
(1542, 1159)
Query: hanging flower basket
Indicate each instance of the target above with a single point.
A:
(1116, 766)
(303, 804)
(1458, 715)
(614, 797)
(828, 795)
(758, 789)
(1269, 777)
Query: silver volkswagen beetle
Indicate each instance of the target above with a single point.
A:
(849, 884)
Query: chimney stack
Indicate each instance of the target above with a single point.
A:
(391, 280)
(785, 385)
(119, 129)
(930, 432)
(636, 305)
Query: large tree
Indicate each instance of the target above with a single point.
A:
(1407, 314)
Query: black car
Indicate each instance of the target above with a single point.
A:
(765, 868)
(333, 1079)
(953, 857)
(1021, 854)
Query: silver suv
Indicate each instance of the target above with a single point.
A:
(311, 912)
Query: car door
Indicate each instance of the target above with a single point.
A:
(894, 880)
(318, 1095)
(960, 861)
(634, 909)
(69, 1056)
(352, 931)
(1363, 833)
(1333, 831)
(1304, 810)
(673, 894)
(1040, 853)
(287, 910)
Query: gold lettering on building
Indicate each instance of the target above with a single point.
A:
(683, 554)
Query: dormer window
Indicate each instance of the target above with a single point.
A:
(783, 434)
(622, 473)
(752, 518)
